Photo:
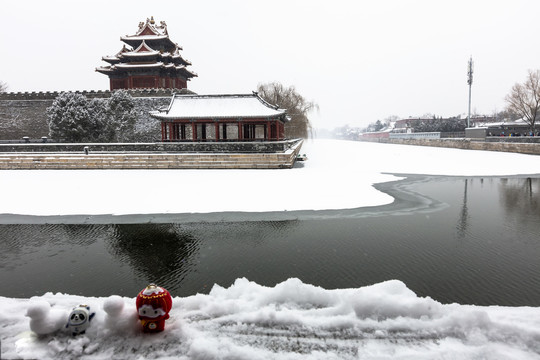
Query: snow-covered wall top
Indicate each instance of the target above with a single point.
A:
(51, 95)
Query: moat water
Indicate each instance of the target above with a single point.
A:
(468, 240)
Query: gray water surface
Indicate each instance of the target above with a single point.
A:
(466, 240)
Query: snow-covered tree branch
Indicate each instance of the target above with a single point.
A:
(74, 118)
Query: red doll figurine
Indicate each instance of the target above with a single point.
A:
(153, 305)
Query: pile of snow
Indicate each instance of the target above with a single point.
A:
(338, 175)
(292, 320)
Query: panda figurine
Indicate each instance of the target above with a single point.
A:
(79, 319)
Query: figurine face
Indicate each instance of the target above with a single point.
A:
(149, 312)
(78, 317)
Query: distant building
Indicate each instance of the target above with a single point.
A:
(148, 59)
(245, 117)
(517, 128)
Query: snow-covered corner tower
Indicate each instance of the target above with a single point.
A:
(148, 59)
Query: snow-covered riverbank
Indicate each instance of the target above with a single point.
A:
(338, 175)
(292, 320)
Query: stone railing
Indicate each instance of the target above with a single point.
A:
(418, 135)
(157, 147)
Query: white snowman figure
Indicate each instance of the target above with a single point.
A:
(79, 319)
(43, 319)
(118, 318)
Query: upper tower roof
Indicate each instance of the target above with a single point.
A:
(149, 58)
(152, 33)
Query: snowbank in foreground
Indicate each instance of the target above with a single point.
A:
(289, 321)
(338, 175)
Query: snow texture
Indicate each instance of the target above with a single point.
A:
(43, 320)
(292, 320)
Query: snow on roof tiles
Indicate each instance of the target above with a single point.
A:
(218, 106)
(138, 65)
(144, 37)
(142, 50)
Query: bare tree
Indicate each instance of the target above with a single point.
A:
(3, 86)
(524, 99)
(297, 107)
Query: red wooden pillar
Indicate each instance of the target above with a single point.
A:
(194, 130)
(267, 131)
(240, 136)
(163, 132)
(170, 130)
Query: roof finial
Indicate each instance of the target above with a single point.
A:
(152, 21)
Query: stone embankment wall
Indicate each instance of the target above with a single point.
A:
(472, 144)
(24, 113)
(66, 160)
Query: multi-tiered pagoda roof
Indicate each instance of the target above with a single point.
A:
(148, 59)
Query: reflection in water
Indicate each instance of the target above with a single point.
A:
(172, 255)
(159, 253)
(463, 214)
(520, 197)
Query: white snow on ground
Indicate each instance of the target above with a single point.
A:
(289, 321)
(338, 175)
(292, 320)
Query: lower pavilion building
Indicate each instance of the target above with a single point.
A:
(244, 117)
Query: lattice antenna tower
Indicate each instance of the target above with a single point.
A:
(470, 69)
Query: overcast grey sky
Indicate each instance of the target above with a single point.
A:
(359, 60)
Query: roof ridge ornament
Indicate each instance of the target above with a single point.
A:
(163, 25)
